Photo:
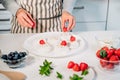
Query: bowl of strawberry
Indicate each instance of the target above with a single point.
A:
(109, 58)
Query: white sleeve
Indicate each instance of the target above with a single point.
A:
(68, 5)
(11, 5)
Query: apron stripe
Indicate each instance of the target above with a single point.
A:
(42, 9)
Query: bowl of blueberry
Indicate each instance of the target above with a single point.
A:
(14, 59)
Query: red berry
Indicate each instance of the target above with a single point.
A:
(83, 66)
(42, 42)
(117, 52)
(71, 64)
(105, 48)
(63, 43)
(76, 67)
(114, 58)
(110, 66)
(64, 29)
(98, 54)
(33, 24)
(103, 63)
(72, 38)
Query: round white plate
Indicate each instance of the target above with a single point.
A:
(52, 49)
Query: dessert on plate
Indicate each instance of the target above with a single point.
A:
(42, 46)
(73, 40)
(62, 46)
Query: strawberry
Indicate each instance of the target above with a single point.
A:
(33, 24)
(117, 52)
(98, 54)
(63, 43)
(70, 65)
(110, 66)
(110, 52)
(42, 42)
(76, 67)
(83, 66)
(103, 63)
(105, 48)
(64, 29)
(114, 58)
(72, 38)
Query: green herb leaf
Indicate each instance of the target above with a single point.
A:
(46, 68)
(59, 75)
(76, 77)
(85, 72)
(103, 53)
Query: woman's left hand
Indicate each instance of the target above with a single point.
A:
(67, 18)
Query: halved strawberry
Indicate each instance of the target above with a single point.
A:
(76, 67)
(70, 64)
(42, 42)
(63, 43)
(83, 66)
(72, 38)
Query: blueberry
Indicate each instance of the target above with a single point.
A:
(11, 54)
(10, 57)
(22, 54)
(4, 57)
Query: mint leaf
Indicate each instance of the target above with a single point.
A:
(85, 72)
(59, 75)
(76, 77)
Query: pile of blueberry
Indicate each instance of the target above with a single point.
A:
(14, 57)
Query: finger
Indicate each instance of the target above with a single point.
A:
(70, 23)
(33, 21)
(23, 22)
(26, 17)
(63, 24)
(73, 24)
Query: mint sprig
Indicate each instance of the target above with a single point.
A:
(85, 72)
(76, 77)
(46, 68)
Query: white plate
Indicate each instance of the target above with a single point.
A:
(53, 40)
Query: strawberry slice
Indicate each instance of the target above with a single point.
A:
(72, 38)
(63, 43)
(42, 42)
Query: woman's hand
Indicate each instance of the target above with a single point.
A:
(25, 19)
(67, 18)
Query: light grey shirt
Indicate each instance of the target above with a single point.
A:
(12, 5)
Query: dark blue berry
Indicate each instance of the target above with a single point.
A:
(4, 57)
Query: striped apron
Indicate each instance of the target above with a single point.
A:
(47, 14)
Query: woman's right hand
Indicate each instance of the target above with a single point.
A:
(25, 19)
